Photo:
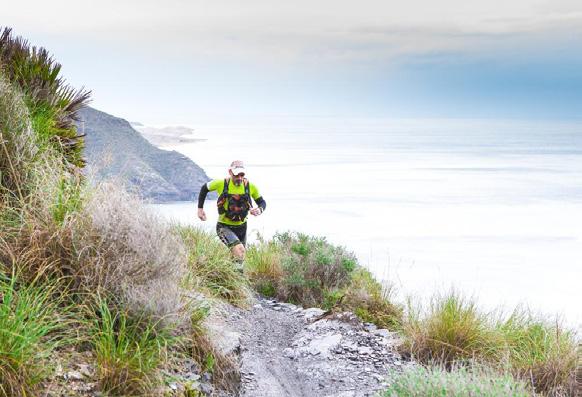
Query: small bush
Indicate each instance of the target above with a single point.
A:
(311, 268)
(128, 350)
(29, 319)
(460, 382)
(211, 268)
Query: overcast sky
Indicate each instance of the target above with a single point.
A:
(181, 61)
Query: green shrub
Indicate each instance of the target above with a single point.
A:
(29, 320)
(459, 382)
(310, 271)
(311, 268)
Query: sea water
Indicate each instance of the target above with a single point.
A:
(492, 208)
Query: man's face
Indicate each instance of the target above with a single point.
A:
(237, 179)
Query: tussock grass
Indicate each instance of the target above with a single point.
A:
(449, 330)
(128, 350)
(546, 354)
(29, 320)
(453, 330)
(459, 382)
(211, 268)
(264, 266)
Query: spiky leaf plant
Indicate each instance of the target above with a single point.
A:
(53, 104)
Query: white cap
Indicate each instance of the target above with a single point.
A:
(237, 167)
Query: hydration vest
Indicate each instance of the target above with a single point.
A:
(238, 205)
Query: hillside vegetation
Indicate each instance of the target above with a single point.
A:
(87, 269)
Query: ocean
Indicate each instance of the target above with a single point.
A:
(492, 208)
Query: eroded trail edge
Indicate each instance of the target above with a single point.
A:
(285, 350)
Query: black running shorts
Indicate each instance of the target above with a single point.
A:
(232, 235)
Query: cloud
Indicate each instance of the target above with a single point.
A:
(299, 31)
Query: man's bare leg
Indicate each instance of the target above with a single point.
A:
(238, 253)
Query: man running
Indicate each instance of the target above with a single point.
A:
(234, 204)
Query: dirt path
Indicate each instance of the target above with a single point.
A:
(284, 352)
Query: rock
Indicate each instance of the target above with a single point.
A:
(290, 353)
(74, 375)
(227, 341)
(312, 313)
(382, 332)
(323, 345)
(85, 370)
(370, 327)
(364, 350)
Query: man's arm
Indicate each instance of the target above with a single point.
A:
(261, 203)
(201, 197)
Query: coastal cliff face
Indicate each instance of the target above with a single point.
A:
(114, 149)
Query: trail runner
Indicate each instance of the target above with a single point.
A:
(235, 195)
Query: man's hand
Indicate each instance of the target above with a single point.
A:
(201, 214)
(257, 211)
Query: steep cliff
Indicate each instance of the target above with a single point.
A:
(114, 149)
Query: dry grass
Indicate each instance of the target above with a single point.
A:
(17, 148)
(127, 250)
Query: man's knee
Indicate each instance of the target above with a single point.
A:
(238, 251)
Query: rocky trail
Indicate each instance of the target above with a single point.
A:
(281, 350)
(285, 350)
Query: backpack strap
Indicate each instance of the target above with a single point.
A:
(248, 192)
(225, 189)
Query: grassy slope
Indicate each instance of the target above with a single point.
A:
(136, 288)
